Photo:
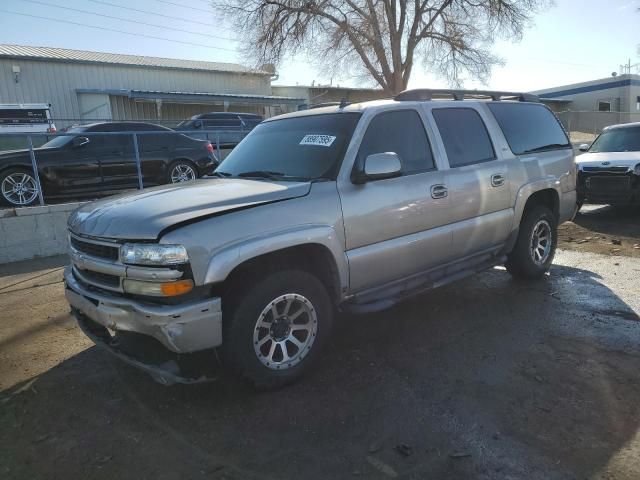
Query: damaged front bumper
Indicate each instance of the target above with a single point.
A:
(158, 337)
(609, 186)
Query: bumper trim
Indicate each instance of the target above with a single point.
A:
(180, 328)
(167, 374)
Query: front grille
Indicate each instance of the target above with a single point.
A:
(103, 278)
(95, 250)
(606, 169)
(608, 184)
(100, 278)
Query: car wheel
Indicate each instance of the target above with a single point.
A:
(182, 171)
(536, 244)
(276, 328)
(18, 187)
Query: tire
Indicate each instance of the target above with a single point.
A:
(253, 343)
(181, 171)
(524, 261)
(18, 187)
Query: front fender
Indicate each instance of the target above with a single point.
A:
(223, 261)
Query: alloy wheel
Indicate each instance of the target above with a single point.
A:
(182, 173)
(19, 188)
(541, 242)
(285, 331)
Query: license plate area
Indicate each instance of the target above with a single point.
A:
(610, 184)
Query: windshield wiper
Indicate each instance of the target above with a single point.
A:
(263, 174)
(551, 146)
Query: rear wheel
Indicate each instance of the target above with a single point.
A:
(18, 187)
(182, 171)
(276, 328)
(536, 245)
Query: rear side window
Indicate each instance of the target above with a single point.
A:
(464, 135)
(400, 132)
(529, 127)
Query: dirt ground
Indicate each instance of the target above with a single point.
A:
(486, 378)
(603, 229)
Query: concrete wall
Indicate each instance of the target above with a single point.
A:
(34, 231)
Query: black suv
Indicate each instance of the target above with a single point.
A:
(84, 163)
(227, 128)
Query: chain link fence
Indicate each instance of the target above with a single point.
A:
(76, 163)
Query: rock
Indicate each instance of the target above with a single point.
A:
(404, 449)
(459, 454)
(374, 447)
(615, 241)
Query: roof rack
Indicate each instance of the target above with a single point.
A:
(426, 94)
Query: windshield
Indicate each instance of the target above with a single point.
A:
(625, 139)
(302, 148)
(61, 140)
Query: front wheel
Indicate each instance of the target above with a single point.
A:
(182, 171)
(275, 329)
(536, 244)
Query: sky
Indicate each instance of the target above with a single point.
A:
(574, 41)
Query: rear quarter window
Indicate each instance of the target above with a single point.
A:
(529, 127)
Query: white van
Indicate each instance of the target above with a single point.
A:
(26, 118)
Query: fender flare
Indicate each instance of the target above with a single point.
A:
(230, 256)
(528, 189)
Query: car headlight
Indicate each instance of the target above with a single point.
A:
(636, 170)
(153, 254)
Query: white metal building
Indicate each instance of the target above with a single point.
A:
(85, 86)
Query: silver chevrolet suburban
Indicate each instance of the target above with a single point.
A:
(349, 207)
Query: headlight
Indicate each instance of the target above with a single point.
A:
(153, 254)
(636, 170)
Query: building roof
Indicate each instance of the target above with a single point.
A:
(196, 97)
(84, 56)
(591, 86)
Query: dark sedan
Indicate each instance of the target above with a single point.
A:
(84, 163)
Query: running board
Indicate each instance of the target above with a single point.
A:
(363, 303)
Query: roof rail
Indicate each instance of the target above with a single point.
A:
(426, 94)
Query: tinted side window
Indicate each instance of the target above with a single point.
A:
(529, 127)
(400, 132)
(464, 135)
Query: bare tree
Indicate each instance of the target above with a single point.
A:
(382, 39)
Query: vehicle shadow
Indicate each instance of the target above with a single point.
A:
(486, 378)
(610, 220)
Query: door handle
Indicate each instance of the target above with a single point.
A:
(497, 180)
(439, 191)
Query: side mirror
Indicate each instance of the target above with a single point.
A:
(584, 147)
(379, 166)
(79, 141)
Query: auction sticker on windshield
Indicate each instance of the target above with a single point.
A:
(319, 140)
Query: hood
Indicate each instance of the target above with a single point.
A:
(144, 215)
(616, 159)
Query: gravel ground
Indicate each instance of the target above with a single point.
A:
(485, 378)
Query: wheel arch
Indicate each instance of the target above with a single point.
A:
(317, 250)
(543, 192)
